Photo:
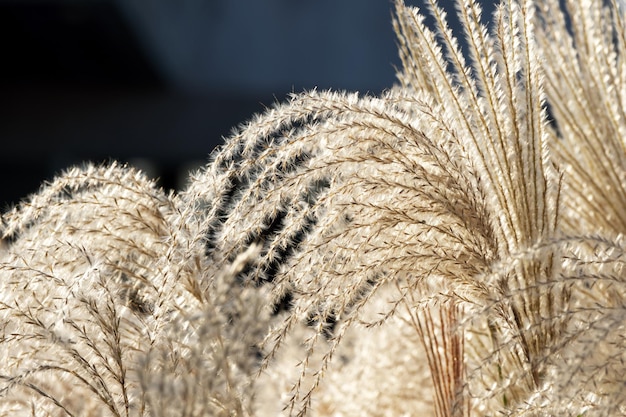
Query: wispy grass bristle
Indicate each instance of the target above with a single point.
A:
(452, 247)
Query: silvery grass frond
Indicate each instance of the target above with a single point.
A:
(103, 312)
(585, 80)
(422, 189)
(351, 255)
(79, 281)
(584, 47)
(206, 362)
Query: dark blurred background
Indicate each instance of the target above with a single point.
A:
(159, 83)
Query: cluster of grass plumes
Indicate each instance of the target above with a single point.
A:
(448, 248)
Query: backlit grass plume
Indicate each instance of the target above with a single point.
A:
(453, 247)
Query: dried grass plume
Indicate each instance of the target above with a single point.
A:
(453, 247)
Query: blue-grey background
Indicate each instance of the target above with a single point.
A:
(159, 83)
